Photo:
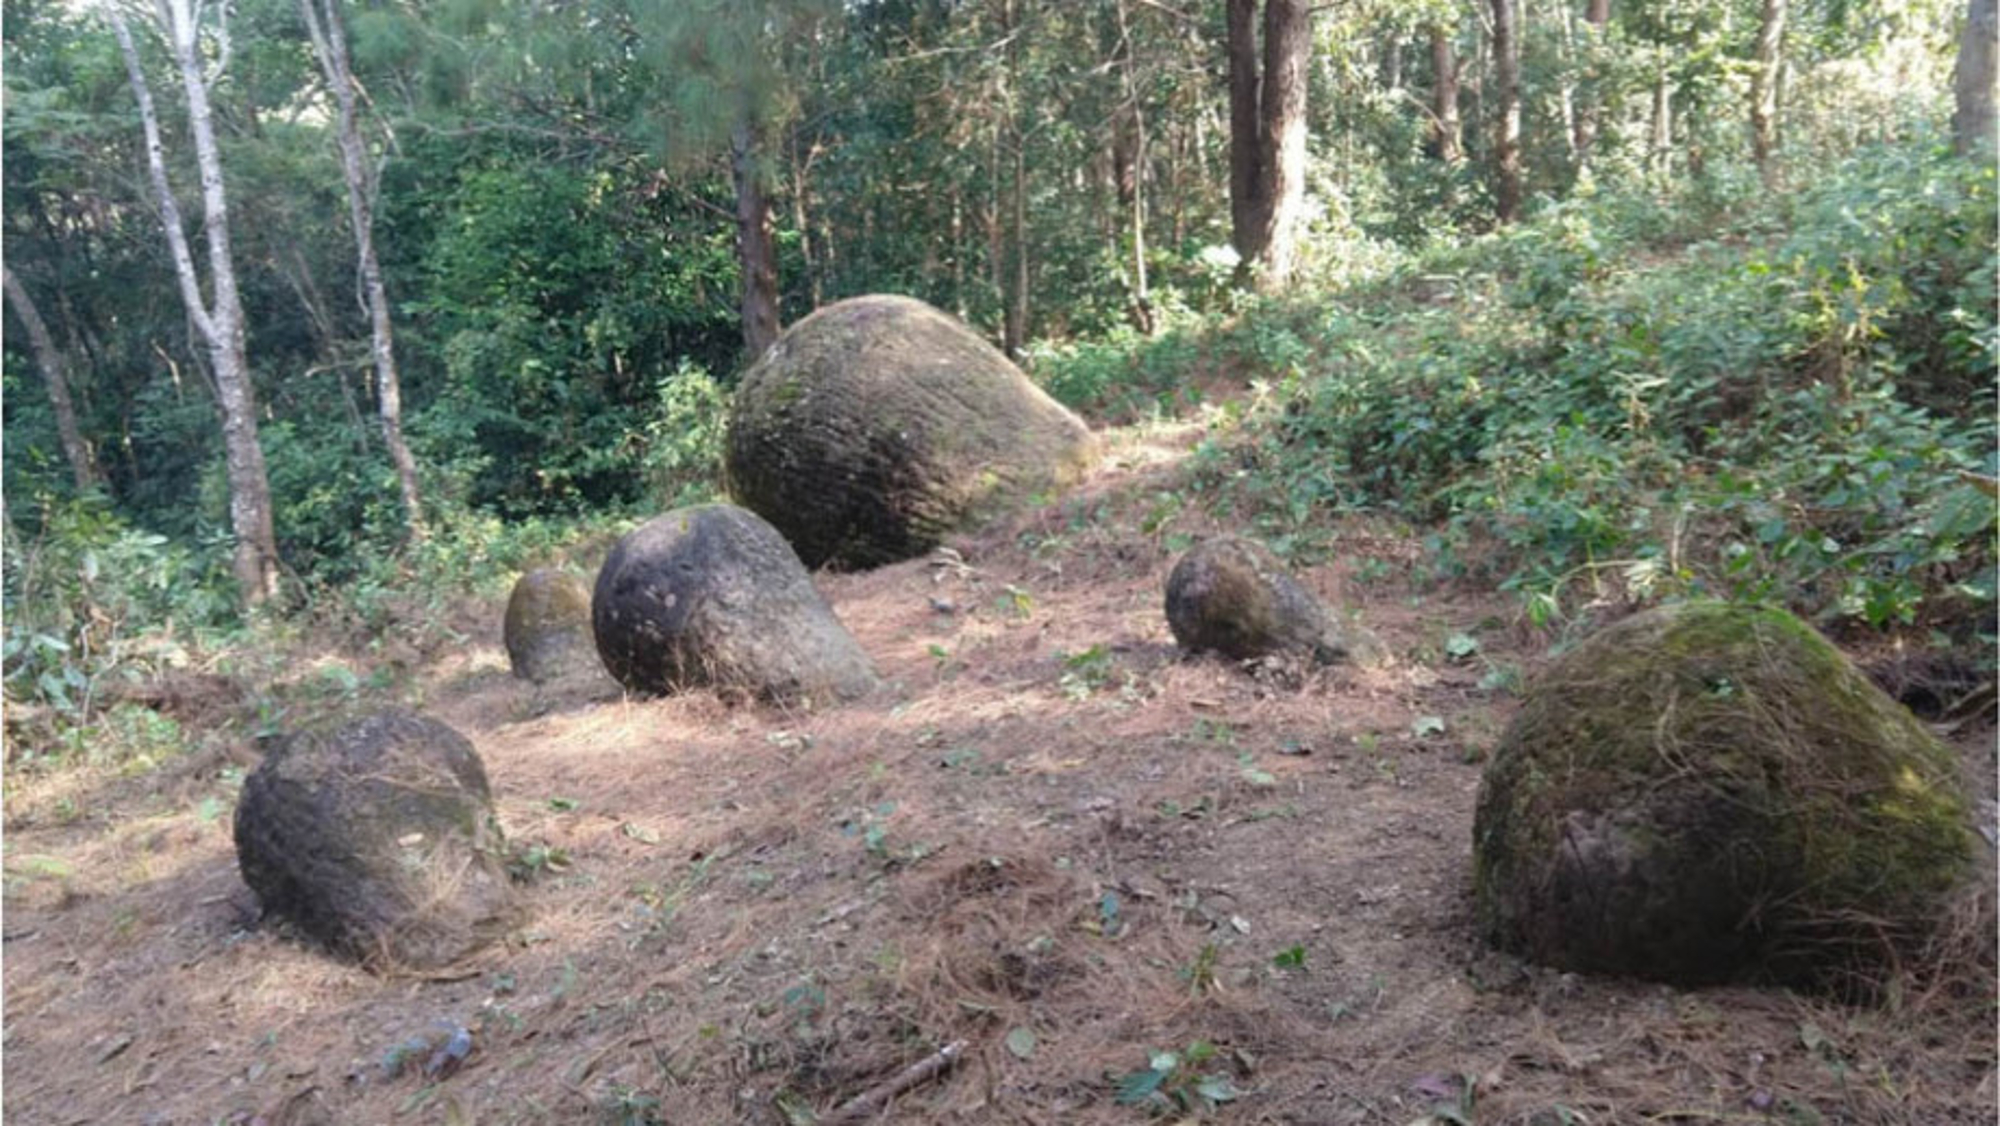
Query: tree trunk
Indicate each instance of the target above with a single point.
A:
(1566, 72)
(1142, 301)
(1597, 14)
(1247, 194)
(754, 244)
(1282, 104)
(1972, 85)
(1663, 125)
(1445, 127)
(219, 324)
(958, 250)
(1014, 326)
(55, 375)
(1507, 124)
(329, 39)
(1764, 90)
(801, 191)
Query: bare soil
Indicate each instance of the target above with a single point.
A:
(1051, 821)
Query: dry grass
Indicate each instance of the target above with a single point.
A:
(746, 910)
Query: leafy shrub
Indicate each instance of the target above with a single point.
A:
(1787, 411)
(89, 598)
(684, 439)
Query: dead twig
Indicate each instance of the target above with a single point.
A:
(877, 1097)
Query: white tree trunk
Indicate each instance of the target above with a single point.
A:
(220, 322)
(329, 39)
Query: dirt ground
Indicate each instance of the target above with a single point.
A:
(1051, 838)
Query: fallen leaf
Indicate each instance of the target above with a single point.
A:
(1021, 1042)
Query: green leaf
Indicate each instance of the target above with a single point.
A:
(1107, 913)
(1459, 646)
(1021, 1042)
(1427, 725)
(1290, 959)
(1217, 1089)
(1140, 1086)
(564, 805)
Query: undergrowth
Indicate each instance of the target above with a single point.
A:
(1784, 396)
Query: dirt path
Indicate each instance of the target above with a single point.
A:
(1052, 838)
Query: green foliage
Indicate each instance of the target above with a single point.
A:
(1762, 415)
(683, 456)
(1176, 1082)
(565, 305)
(89, 600)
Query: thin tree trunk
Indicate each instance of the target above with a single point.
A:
(1597, 15)
(1764, 90)
(996, 229)
(1566, 71)
(1247, 196)
(1142, 301)
(55, 374)
(1014, 328)
(220, 325)
(1663, 125)
(1445, 126)
(801, 187)
(958, 250)
(1282, 103)
(1972, 85)
(1507, 123)
(329, 39)
(754, 244)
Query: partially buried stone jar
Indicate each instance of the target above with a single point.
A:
(377, 836)
(712, 596)
(547, 626)
(1230, 595)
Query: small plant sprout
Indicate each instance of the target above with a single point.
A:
(1175, 1081)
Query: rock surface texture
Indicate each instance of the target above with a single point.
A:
(712, 596)
(1231, 596)
(879, 424)
(547, 627)
(1710, 792)
(377, 836)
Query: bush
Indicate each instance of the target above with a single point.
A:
(87, 599)
(684, 440)
(1787, 411)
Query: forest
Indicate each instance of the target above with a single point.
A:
(1507, 319)
(576, 222)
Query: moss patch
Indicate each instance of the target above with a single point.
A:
(1709, 792)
